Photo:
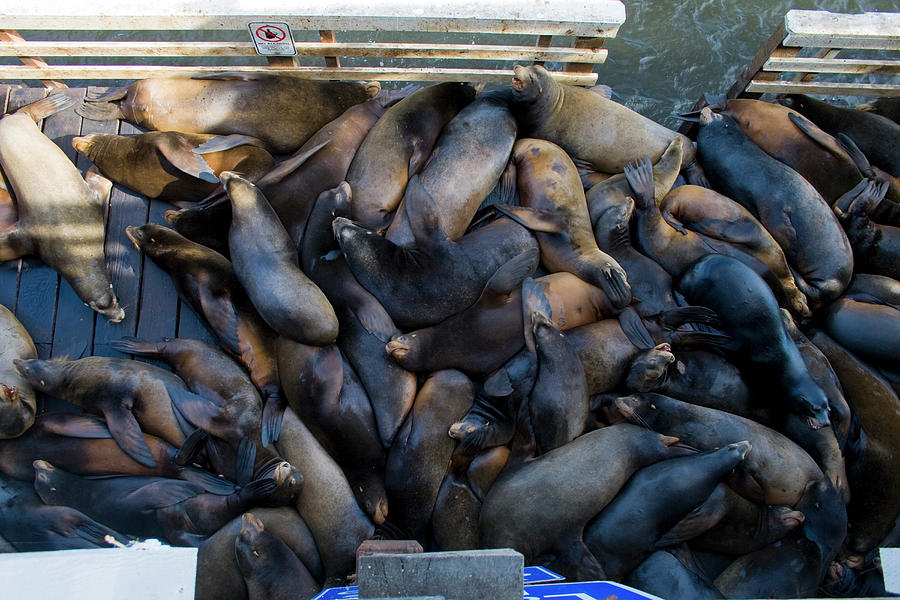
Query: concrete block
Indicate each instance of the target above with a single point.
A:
(460, 575)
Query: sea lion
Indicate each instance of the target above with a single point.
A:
(794, 566)
(873, 507)
(876, 248)
(550, 524)
(206, 104)
(179, 512)
(218, 575)
(269, 566)
(162, 164)
(786, 204)
(880, 287)
(666, 576)
(876, 136)
(777, 470)
(605, 134)
(397, 147)
(418, 459)
(549, 190)
(749, 314)
(365, 325)
(424, 285)
(60, 212)
(326, 501)
(886, 107)
(867, 329)
(266, 263)
(31, 526)
(324, 391)
(662, 494)
(205, 280)
(17, 400)
(467, 160)
(82, 444)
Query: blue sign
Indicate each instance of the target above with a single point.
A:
(540, 575)
(576, 590)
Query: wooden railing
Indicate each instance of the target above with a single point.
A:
(567, 33)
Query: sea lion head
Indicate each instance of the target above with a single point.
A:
(16, 411)
(108, 305)
(707, 116)
(288, 480)
(152, 239)
(406, 350)
(648, 370)
(43, 375)
(249, 544)
(86, 144)
(809, 401)
(529, 82)
(357, 241)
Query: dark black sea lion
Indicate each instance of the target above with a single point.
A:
(870, 330)
(786, 204)
(666, 576)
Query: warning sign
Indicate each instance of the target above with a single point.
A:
(272, 39)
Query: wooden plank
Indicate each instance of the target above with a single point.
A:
(584, 42)
(823, 29)
(73, 327)
(822, 87)
(326, 36)
(9, 35)
(91, 72)
(599, 18)
(9, 270)
(834, 65)
(311, 49)
(38, 283)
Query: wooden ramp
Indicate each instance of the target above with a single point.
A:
(59, 322)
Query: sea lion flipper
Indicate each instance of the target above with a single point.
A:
(639, 174)
(48, 106)
(75, 425)
(498, 385)
(424, 219)
(635, 329)
(99, 185)
(289, 165)
(166, 492)
(533, 300)
(209, 482)
(191, 447)
(243, 464)
(701, 519)
(816, 134)
(258, 490)
(510, 274)
(118, 93)
(534, 219)
(418, 157)
(272, 417)
(220, 143)
(676, 317)
(375, 320)
(125, 430)
(96, 533)
(181, 156)
(220, 313)
(15, 243)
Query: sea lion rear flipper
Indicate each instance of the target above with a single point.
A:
(75, 425)
(191, 447)
(842, 204)
(245, 461)
(96, 533)
(508, 188)
(701, 519)
(272, 417)
(209, 482)
(48, 106)
(635, 329)
(180, 155)
(289, 165)
(125, 430)
(639, 174)
(534, 219)
(100, 186)
(221, 143)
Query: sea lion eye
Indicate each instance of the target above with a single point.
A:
(256, 554)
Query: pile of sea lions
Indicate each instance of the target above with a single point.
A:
(526, 317)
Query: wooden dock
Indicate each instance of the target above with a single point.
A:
(60, 324)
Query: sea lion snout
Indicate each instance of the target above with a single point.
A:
(399, 347)
(742, 448)
(83, 143)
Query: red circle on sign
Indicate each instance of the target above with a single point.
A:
(269, 33)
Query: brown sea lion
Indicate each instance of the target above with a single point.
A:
(179, 512)
(269, 566)
(549, 190)
(419, 457)
(206, 104)
(397, 147)
(876, 136)
(326, 394)
(786, 204)
(590, 127)
(365, 325)
(467, 160)
(82, 444)
(266, 263)
(60, 212)
(550, 524)
(218, 575)
(760, 344)
(206, 281)
(132, 397)
(31, 526)
(326, 501)
(17, 400)
(662, 494)
(162, 164)
(424, 285)
(874, 506)
(775, 472)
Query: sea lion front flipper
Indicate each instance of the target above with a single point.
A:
(125, 430)
(289, 165)
(181, 156)
(510, 274)
(95, 533)
(635, 329)
(701, 519)
(220, 313)
(75, 425)
(734, 232)
(676, 317)
(15, 243)
(165, 492)
(272, 417)
(191, 447)
(534, 219)
(209, 482)
(220, 143)
(245, 461)
(842, 204)
(639, 174)
(100, 186)
(257, 490)
(819, 136)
